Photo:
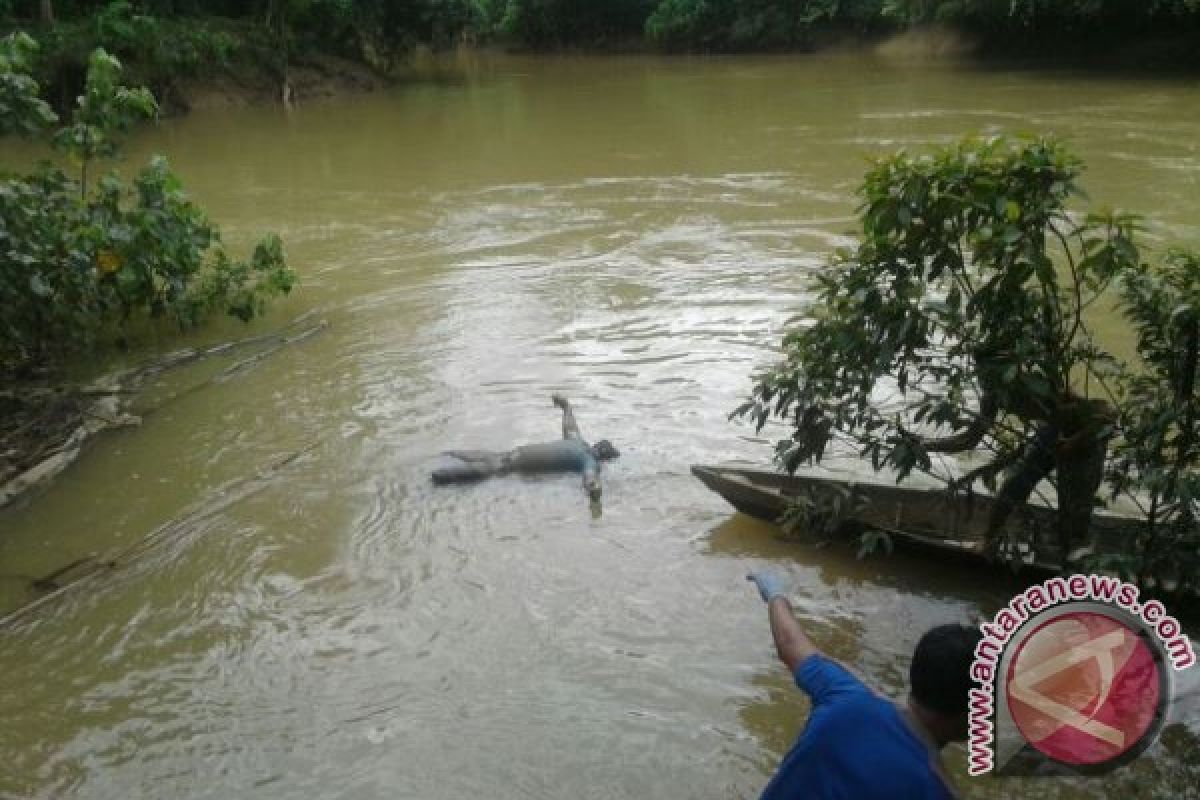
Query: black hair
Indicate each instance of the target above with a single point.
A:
(604, 450)
(940, 674)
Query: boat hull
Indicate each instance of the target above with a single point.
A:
(923, 517)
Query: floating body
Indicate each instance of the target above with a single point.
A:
(572, 453)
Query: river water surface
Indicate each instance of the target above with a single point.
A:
(631, 232)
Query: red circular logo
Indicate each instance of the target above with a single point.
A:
(1085, 689)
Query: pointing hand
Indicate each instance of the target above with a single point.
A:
(770, 584)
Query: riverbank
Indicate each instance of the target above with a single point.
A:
(315, 77)
(196, 62)
(216, 62)
(325, 76)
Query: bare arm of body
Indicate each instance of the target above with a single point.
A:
(570, 427)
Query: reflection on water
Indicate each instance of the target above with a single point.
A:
(631, 232)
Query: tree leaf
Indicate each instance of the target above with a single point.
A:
(38, 286)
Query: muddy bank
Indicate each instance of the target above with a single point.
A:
(319, 76)
(316, 78)
(44, 428)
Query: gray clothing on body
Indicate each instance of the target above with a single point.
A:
(568, 454)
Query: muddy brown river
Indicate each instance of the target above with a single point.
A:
(633, 232)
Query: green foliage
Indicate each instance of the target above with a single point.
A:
(162, 48)
(821, 510)
(163, 39)
(554, 23)
(753, 25)
(396, 27)
(381, 32)
(827, 512)
(76, 260)
(22, 111)
(159, 50)
(999, 17)
(104, 110)
(1159, 453)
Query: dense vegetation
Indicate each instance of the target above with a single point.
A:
(959, 325)
(81, 253)
(162, 40)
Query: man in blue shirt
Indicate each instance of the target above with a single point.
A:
(571, 453)
(858, 745)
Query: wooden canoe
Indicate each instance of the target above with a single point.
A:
(925, 517)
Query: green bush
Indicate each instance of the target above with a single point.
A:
(555, 23)
(79, 257)
(960, 324)
(1159, 451)
(755, 24)
(167, 37)
(1000, 16)
(21, 109)
(396, 26)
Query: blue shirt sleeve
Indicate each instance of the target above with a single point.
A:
(827, 681)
